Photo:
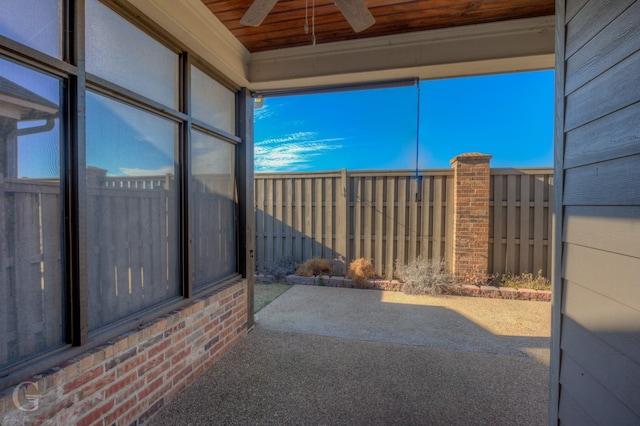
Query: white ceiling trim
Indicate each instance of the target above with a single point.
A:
(510, 46)
(517, 45)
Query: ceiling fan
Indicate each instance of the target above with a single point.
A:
(354, 11)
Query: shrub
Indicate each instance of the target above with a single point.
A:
(278, 268)
(361, 270)
(425, 276)
(526, 280)
(339, 266)
(315, 266)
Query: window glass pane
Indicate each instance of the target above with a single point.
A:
(211, 102)
(132, 220)
(31, 290)
(121, 53)
(214, 207)
(34, 23)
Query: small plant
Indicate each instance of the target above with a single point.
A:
(425, 276)
(361, 270)
(315, 266)
(526, 280)
(339, 266)
(278, 268)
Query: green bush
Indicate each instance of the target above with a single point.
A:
(425, 276)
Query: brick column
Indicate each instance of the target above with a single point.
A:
(471, 215)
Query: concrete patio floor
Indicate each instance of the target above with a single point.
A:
(337, 356)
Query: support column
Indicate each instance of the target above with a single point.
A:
(471, 215)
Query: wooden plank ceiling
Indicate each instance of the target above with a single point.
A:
(285, 25)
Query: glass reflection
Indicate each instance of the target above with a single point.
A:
(34, 23)
(211, 102)
(114, 52)
(214, 208)
(132, 221)
(31, 291)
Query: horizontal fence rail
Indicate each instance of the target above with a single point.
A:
(392, 217)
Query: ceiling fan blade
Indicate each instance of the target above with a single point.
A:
(356, 13)
(256, 13)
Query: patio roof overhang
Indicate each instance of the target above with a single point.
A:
(487, 48)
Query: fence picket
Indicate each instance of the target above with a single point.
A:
(278, 218)
(390, 219)
(357, 219)
(297, 225)
(379, 226)
(367, 228)
(308, 220)
(538, 231)
(438, 228)
(268, 218)
(401, 231)
(329, 247)
(287, 220)
(413, 218)
(260, 221)
(525, 201)
(426, 225)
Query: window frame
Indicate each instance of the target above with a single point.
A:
(76, 81)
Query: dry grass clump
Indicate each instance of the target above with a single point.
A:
(313, 267)
(361, 270)
(526, 280)
(425, 276)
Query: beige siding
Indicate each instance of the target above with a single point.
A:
(596, 364)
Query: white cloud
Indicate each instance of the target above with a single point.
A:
(263, 112)
(291, 152)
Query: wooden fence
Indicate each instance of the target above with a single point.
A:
(520, 221)
(393, 217)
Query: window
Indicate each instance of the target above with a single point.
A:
(132, 210)
(122, 54)
(31, 290)
(117, 199)
(211, 102)
(34, 23)
(214, 207)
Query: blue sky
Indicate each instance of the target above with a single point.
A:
(509, 116)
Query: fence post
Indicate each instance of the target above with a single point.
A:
(471, 215)
(343, 220)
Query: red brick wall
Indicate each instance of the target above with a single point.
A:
(130, 378)
(471, 214)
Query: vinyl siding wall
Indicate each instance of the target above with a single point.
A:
(597, 322)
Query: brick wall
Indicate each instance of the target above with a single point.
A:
(127, 380)
(471, 214)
